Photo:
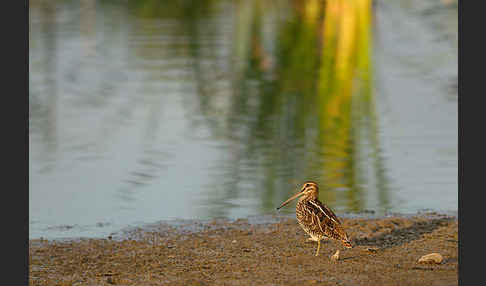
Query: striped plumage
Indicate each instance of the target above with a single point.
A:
(315, 218)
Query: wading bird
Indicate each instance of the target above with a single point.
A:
(315, 218)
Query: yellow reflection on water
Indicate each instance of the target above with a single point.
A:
(345, 61)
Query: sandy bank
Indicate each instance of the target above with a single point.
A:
(240, 253)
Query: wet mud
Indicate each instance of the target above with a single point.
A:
(222, 252)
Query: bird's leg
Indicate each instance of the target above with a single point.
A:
(318, 246)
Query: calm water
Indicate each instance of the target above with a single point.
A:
(141, 111)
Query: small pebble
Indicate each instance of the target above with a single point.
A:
(335, 257)
(431, 258)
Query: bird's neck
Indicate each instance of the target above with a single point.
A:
(308, 198)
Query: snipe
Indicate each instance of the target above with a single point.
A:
(315, 218)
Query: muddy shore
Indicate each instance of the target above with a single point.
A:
(222, 252)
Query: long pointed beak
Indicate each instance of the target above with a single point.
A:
(291, 199)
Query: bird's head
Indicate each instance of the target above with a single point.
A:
(309, 190)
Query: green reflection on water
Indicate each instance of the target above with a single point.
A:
(308, 95)
(292, 99)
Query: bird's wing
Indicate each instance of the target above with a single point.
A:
(309, 217)
(320, 219)
(324, 212)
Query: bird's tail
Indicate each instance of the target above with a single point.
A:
(347, 243)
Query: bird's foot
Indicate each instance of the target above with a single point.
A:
(335, 257)
(318, 247)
